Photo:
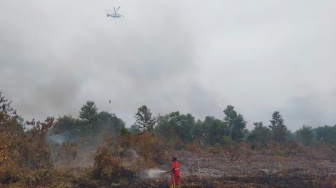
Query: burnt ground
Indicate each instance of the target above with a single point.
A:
(257, 170)
(215, 171)
(222, 182)
(253, 170)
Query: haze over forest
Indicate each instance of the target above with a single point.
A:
(190, 56)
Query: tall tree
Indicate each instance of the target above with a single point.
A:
(144, 119)
(88, 112)
(235, 122)
(88, 115)
(279, 130)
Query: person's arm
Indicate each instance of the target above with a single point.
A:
(173, 167)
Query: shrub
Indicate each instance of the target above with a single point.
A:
(150, 148)
(106, 165)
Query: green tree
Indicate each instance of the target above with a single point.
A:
(144, 119)
(110, 123)
(215, 129)
(199, 131)
(305, 135)
(67, 126)
(260, 135)
(88, 112)
(235, 122)
(181, 125)
(124, 132)
(326, 134)
(279, 130)
(164, 127)
(184, 127)
(88, 117)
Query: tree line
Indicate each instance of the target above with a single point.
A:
(182, 128)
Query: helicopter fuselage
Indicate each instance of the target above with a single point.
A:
(113, 15)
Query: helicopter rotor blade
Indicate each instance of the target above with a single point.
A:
(118, 8)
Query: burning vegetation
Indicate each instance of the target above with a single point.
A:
(97, 150)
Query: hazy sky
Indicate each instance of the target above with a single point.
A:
(192, 56)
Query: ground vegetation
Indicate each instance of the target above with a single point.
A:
(97, 149)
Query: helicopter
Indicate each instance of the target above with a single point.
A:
(115, 14)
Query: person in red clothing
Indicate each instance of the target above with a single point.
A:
(176, 175)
